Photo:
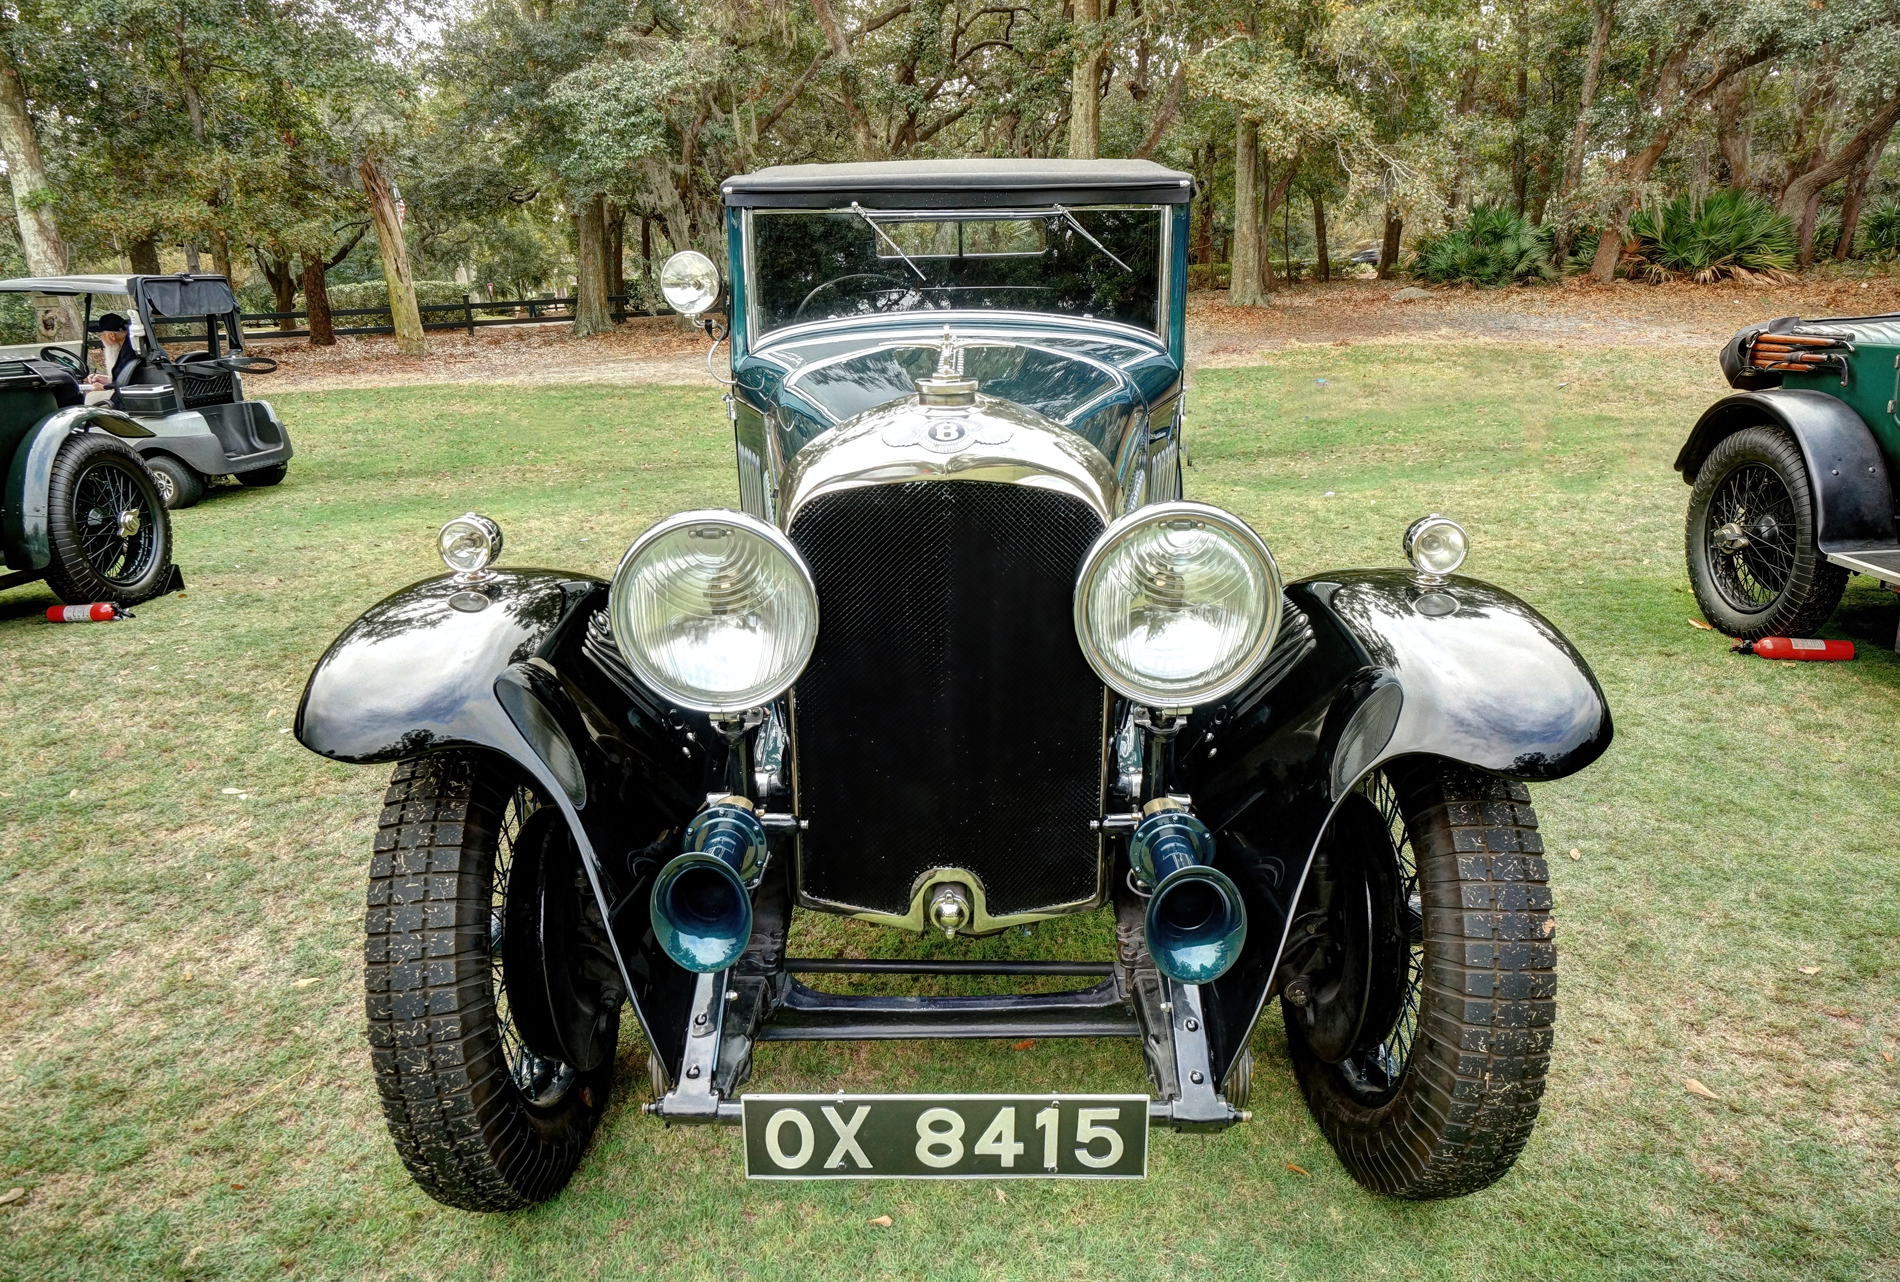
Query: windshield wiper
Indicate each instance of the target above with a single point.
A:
(858, 209)
(1076, 223)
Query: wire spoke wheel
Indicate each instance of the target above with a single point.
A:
(117, 533)
(1376, 1071)
(1418, 1017)
(1751, 537)
(481, 1119)
(542, 1080)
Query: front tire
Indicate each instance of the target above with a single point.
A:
(1750, 540)
(1421, 1047)
(111, 539)
(482, 1122)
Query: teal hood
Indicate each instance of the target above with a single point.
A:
(1104, 382)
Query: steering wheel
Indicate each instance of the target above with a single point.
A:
(839, 280)
(245, 363)
(64, 358)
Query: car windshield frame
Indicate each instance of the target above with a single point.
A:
(1077, 232)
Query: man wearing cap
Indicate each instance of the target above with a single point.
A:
(117, 356)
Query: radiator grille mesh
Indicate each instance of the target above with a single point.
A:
(948, 718)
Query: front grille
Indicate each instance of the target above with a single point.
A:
(948, 718)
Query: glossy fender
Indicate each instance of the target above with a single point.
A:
(415, 675)
(1846, 469)
(24, 532)
(1370, 666)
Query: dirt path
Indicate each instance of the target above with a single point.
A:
(665, 350)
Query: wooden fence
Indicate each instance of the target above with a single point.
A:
(471, 313)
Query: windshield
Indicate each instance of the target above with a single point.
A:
(809, 265)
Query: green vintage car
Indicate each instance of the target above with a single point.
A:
(80, 509)
(1792, 473)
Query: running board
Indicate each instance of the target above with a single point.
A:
(1879, 563)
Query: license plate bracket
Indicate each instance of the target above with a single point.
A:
(945, 1137)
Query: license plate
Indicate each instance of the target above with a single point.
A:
(946, 1137)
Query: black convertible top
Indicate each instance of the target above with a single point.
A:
(960, 184)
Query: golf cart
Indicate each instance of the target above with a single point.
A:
(192, 403)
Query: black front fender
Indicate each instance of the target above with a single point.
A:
(416, 675)
(1371, 666)
(1846, 469)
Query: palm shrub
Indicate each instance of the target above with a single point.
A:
(1880, 228)
(1726, 234)
(1492, 247)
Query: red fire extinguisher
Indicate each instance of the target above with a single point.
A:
(97, 612)
(1810, 648)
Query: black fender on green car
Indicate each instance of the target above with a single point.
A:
(24, 533)
(1854, 495)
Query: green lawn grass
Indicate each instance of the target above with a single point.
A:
(184, 1089)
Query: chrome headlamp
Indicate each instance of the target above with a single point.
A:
(1177, 604)
(1436, 545)
(468, 545)
(714, 610)
(689, 281)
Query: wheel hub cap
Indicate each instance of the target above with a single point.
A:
(1730, 538)
(128, 523)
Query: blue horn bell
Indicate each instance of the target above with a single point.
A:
(1196, 921)
(702, 899)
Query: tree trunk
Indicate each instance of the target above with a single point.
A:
(593, 314)
(1243, 285)
(1389, 249)
(1731, 130)
(1804, 231)
(1085, 85)
(39, 235)
(395, 256)
(192, 265)
(616, 250)
(1265, 169)
(1278, 193)
(1323, 266)
(862, 136)
(1520, 151)
(1204, 238)
(221, 256)
(1604, 16)
(1852, 202)
(1795, 199)
(316, 300)
(1165, 114)
(281, 275)
(1609, 254)
(144, 256)
(646, 246)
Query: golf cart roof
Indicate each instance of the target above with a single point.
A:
(201, 295)
(960, 184)
(67, 285)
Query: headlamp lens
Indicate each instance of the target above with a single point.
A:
(690, 282)
(469, 543)
(714, 610)
(1436, 545)
(1177, 603)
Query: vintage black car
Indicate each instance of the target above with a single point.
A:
(1792, 474)
(963, 660)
